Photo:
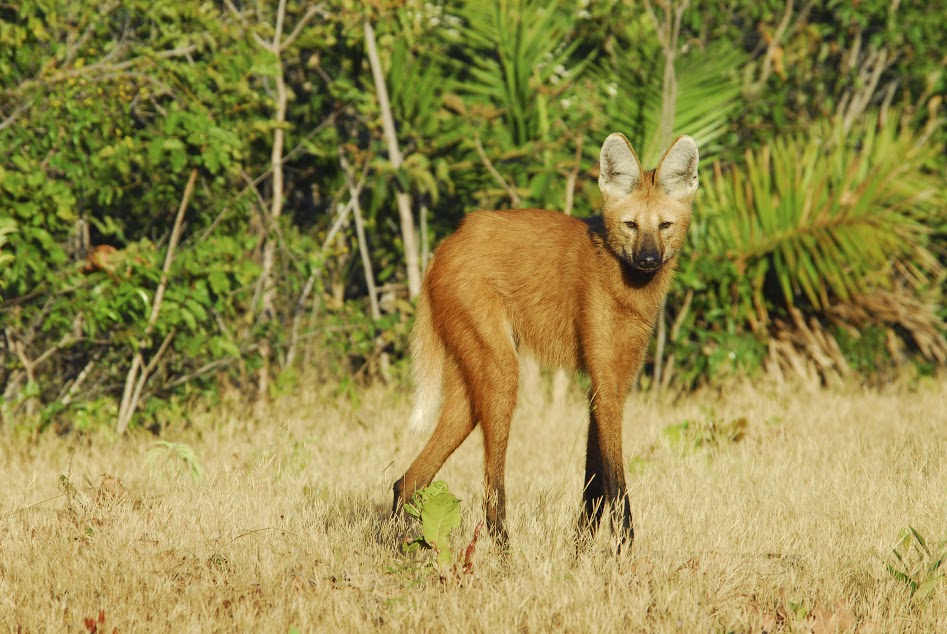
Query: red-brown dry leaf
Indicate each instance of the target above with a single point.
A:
(471, 548)
(92, 624)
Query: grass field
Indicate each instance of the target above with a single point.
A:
(756, 509)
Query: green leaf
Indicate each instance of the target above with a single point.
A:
(439, 516)
(172, 144)
(920, 540)
(926, 587)
(144, 298)
(219, 283)
(439, 512)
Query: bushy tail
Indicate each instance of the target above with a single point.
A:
(427, 368)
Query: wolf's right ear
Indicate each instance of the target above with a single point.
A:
(619, 168)
(677, 171)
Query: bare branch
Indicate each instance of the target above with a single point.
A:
(157, 356)
(514, 197)
(311, 12)
(360, 233)
(681, 315)
(235, 12)
(572, 176)
(67, 339)
(20, 354)
(774, 42)
(654, 19)
(11, 119)
(394, 154)
(278, 31)
(133, 386)
(263, 43)
(74, 388)
(169, 255)
(96, 70)
(140, 385)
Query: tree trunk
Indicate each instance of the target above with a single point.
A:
(394, 154)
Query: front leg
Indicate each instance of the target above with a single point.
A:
(593, 493)
(613, 354)
(606, 419)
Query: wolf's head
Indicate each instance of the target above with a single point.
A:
(647, 213)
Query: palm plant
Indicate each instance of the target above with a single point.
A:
(708, 93)
(517, 62)
(520, 56)
(827, 218)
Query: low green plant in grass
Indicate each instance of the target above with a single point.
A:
(439, 512)
(706, 431)
(918, 565)
(177, 456)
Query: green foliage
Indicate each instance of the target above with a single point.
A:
(439, 512)
(825, 186)
(521, 56)
(707, 431)
(517, 67)
(918, 565)
(102, 139)
(865, 352)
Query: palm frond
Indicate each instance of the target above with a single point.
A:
(708, 92)
(515, 50)
(825, 216)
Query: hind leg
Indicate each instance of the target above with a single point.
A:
(494, 398)
(453, 426)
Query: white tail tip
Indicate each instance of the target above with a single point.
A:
(426, 406)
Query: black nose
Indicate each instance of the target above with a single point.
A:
(648, 260)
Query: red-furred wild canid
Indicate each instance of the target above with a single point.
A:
(582, 294)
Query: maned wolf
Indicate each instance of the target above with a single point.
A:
(580, 294)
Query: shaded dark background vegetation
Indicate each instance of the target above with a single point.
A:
(234, 200)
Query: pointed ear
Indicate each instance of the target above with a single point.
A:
(619, 169)
(677, 172)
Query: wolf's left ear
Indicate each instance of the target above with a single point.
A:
(677, 171)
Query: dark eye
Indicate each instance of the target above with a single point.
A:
(631, 224)
(666, 225)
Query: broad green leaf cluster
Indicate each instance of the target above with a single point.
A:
(439, 512)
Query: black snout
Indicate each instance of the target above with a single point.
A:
(648, 260)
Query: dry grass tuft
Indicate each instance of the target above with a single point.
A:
(756, 510)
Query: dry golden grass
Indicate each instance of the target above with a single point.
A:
(788, 529)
